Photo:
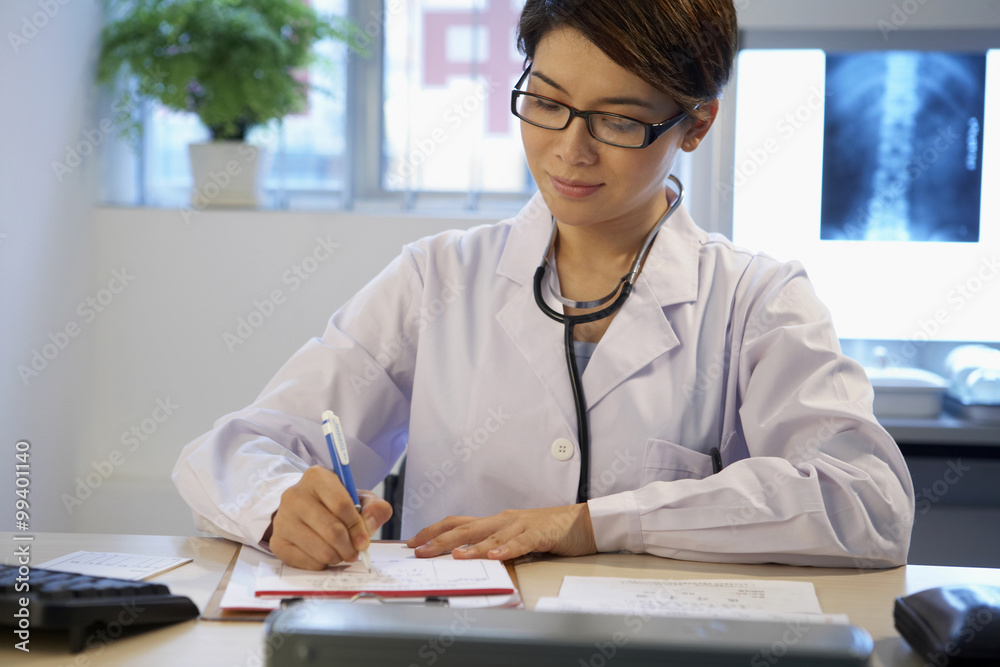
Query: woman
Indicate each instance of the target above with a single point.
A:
(719, 358)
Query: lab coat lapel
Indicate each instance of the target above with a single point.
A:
(641, 332)
(538, 338)
(540, 341)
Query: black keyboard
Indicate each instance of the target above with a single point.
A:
(91, 610)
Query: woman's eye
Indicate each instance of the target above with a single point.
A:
(620, 125)
(545, 105)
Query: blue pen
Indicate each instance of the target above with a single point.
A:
(342, 467)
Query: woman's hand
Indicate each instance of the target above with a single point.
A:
(565, 531)
(316, 524)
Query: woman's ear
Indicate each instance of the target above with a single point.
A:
(698, 127)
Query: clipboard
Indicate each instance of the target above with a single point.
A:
(214, 611)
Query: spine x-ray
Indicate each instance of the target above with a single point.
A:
(902, 150)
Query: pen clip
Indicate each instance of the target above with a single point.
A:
(339, 440)
(716, 459)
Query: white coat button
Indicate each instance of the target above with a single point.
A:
(562, 449)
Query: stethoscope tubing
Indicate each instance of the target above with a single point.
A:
(570, 321)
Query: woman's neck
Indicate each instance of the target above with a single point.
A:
(609, 246)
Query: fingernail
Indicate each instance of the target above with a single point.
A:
(372, 525)
(361, 542)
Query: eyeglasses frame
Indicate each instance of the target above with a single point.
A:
(653, 130)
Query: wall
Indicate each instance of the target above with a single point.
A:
(214, 303)
(46, 56)
(902, 14)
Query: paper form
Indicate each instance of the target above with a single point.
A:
(718, 598)
(240, 596)
(114, 565)
(396, 572)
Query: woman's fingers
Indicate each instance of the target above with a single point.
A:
(317, 525)
(375, 510)
(440, 537)
(561, 530)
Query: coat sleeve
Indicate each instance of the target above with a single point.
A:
(810, 477)
(233, 476)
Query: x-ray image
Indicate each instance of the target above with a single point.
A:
(902, 150)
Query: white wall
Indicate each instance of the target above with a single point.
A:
(855, 14)
(45, 245)
(163, 365)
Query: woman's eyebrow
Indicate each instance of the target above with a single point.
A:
(616, 100)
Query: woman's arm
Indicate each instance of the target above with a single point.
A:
(235, 475)
(811, 478)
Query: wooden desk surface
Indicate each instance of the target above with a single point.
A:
(865, 596)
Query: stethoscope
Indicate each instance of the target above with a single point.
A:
(623, 289)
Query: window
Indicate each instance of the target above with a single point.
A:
(424, 119)
(449, 67)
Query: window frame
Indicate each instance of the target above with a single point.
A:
(363, 187)
(126, 173)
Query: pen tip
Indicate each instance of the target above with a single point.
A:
(366, 558)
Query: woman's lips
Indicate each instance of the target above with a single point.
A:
(572, 189)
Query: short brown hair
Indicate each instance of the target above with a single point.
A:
(684, 48)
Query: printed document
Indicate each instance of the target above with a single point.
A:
(114, 565)
(716, 598)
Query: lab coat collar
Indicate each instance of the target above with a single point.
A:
(640, 333)
(670, 271)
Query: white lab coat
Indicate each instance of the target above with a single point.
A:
(446, 356)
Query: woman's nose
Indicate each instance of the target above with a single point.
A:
(575, 144)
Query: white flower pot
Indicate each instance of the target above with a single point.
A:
(227, 173)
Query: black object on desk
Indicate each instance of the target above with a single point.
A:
(86, 608)
(952, 625)
(324, 632)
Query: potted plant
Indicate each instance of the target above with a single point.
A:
(236, 64)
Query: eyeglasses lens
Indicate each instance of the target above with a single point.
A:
(603, 127)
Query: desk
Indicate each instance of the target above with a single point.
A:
(946, 435)
(866, 597)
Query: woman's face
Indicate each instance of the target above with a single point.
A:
(586, 182)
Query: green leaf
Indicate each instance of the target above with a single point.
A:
(232, 62)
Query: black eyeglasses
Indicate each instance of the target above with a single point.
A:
(608, 128)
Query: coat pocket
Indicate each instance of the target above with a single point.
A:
(667, 461)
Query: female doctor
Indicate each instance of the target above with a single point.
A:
(706, 412)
